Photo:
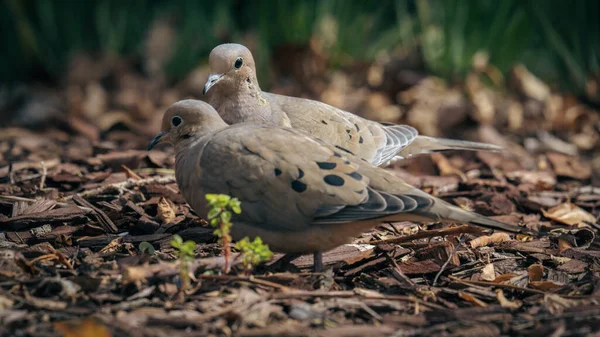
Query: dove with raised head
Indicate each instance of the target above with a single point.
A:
(298, 193)
(233, 90)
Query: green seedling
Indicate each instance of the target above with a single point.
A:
(253, 252)
(185, 253)
(220, 211)
(146, 247)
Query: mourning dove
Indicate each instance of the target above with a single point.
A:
(298, 193)
(233, 90)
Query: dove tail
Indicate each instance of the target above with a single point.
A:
(423, 144)
(450, 212)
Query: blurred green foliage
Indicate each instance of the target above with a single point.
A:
(559, 40)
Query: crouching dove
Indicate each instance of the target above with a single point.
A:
(233, 90)
(299, 194)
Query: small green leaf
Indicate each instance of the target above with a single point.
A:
(146, 247)
(189, 246)
(213, 213)
(226, 217)
(176, 241)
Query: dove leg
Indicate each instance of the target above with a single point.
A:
(318, 262)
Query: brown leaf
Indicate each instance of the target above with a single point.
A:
(504, 277)
(563, 245)
(88, 328)
(569, 214)
(536, 272)
(489, 239)
(572, 167)
(470, 298)
(488, 272)
(504, 302)
(165, 212)
(544, 285)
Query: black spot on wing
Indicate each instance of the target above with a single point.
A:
(334, 180)
(277, 172)
(337, 154)
(326, 165)
(360, 140)
(348, 130)
(356, 126)
(324, 122)
(355, 175)
(298, 186)
(347, 151)
(300, 173)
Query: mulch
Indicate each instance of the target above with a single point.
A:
(73, 215)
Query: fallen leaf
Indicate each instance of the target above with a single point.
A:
(488, 273)
(472, 299)
(544, 285)
(504, 302)
(489, 239)
(563, 245)
(568, 166)
(165, 212)
(569, 214)
(536, 272)
(504, 277)
(88, 328)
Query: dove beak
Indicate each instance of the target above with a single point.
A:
(156, 140)
(212, 80)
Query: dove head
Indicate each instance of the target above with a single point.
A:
(186, 121)
(232, 69)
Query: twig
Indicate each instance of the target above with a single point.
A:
(130, 173)
(251, 279)
(44, 174)
(460, 242)
(107, 224)
(512, 287)
(124, 185)
(398, 274)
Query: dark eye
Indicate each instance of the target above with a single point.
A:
(238, 63)
(176, 120)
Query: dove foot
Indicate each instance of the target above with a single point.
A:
(318, 262)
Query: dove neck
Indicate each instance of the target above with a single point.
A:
(249, 104)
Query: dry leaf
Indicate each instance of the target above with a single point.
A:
(88, 328)
(488, 273)
(504, 302)
(165, 212)
(536, 272)
(544, 285)
(563, 245)
(569, 214)
(470, 298)
(489, 239)
(446, 169)
(504, 277)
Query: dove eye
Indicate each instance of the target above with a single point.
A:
(238, 63)
(176, 120)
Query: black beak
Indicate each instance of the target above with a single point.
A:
(156, 140)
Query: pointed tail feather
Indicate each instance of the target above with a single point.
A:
(423, 145)
(446, 211)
